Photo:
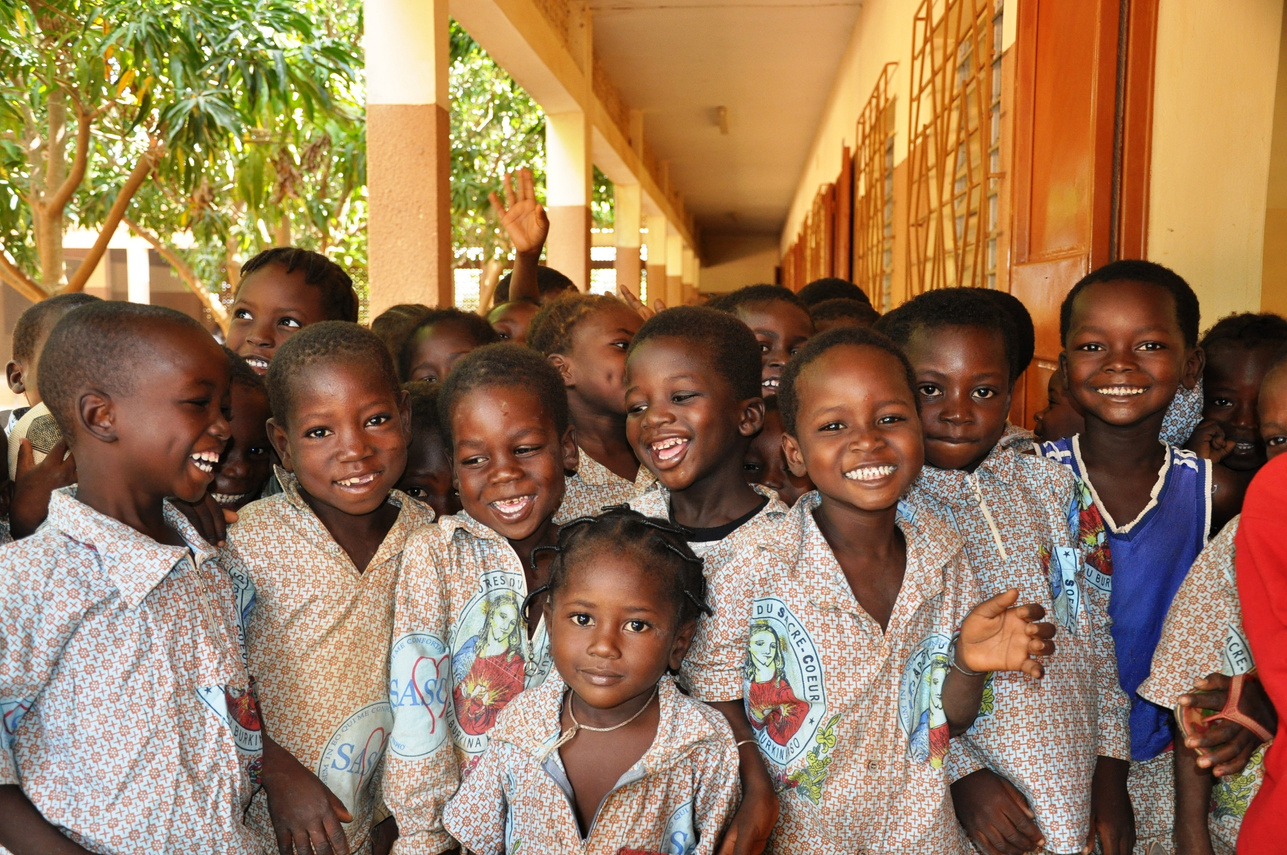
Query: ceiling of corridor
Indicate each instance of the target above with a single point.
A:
(770, 63)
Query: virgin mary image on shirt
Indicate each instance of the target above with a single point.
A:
(488, 668)
(774, 706)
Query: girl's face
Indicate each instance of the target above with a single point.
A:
(963, 380)
(435, 348)
(595, 367)
(1230, 388)
(1125, 355)
(614, 629)
(857, 434)
(504, 619)
(1273, 412)
(271, 306)
(781, 329)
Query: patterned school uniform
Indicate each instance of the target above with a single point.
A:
(318, 639)
(1203, 635)
(460, 654)
(849, 718)
(1151, 556)
(594, 487)
(1029, 523)
(677, 798)
(716, 553)
(129, 721)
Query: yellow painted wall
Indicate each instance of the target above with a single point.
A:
(1213, 102)
(1273, 284)
(731, 261)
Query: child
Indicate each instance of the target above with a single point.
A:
(247, 460)
(781, 324)
(831, 288)
(765, 461)
(626, 774)
(1238, 349)
(839, 312)
(834, 642)
(1130, 336)
(1026, 523)
(324, 556)
(427, 477)
(1060, 418)
(282, 290)
(585, 336)
(1202, 651)
(395, 323)
(512, 319)
(440, 338)
(463, 647)
(129, 720)
(29, 336)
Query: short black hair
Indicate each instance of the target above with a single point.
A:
(1023, 343)
(729, 344)
(503, 365)
(657, 545)
(1187, 311)
(339, 300)
(242, 373)
(831, 288)
(395, 323)
(548, 280)
(327, 342)
(753, 295)
(788, 399)
(1248, 330)
(105, 345)
(551, 328)
(423, 397)
(952, 307)
(40, 318)
(475, 326)
(843, 307)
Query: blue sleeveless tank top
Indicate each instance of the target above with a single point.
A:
(1151, 556)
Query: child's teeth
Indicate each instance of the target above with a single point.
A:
(870, 473)
(205, 460)
(1122, 390)
(228, 498)
(356, 479)
(673, 446)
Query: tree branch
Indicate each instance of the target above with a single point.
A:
(81, 159)
(12, 276)
(185, 272)
(141, 171)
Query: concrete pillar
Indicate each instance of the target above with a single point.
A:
(688, 277)
(138, 273)
(674, 268)
(568, 176)
(626, 215)
(656, 257)
(408, 153)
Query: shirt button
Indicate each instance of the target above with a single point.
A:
(873, 765)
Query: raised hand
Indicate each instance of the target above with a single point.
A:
(1000, 636)
(521, 216)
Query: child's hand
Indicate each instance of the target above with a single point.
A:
(522, 216)
(1208, 440)
(209, 518)
(634, 302)
(306, 815)
(748, 832)
(1112, 819)
(1227, 746)
(996, 637)
(995, 815)
(35, 482)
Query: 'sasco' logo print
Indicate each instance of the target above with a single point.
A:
(354, 751)
(419, 691)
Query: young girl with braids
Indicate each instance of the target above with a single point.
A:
(607, 755)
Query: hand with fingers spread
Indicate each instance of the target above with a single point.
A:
(1226, 746)
(995, 815)
(633, 301)
(1112, 819)
(522, 217)
(306, 815)
(34, 483)
(1000, 636)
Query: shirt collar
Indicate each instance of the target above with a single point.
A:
(595, 474)
(134, 562)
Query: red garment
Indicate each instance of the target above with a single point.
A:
(493, 682)
(776, 709)
(1261, 554)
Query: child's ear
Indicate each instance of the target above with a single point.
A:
(14, 373)
(752, 419)
(277, 436)
(1194, 364)
(97, 414)
(794, 459)
(571, 454)
(562, 366)
(683, 640)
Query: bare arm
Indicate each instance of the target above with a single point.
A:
(25, 830)
(1193, 787)
(525, 222)
(753, 823)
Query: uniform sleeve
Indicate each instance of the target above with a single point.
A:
(1261, 559)
(475, 816)
(719, 793)
(1091, 537)
(714, 667)
(41, 607)
(963, 758)
(421, 769)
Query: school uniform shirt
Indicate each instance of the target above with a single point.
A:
(677, 798)
(716, 546)
(460, 654)
(1203, 635)
(318, 638)
(593, 487)
(129, 718)
(1029, 523)
(849, 718)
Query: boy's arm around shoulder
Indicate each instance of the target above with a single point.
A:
(421, 769)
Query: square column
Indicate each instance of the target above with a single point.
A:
(627, 211)
(408, 153)
(674, 268)
(568, 175)
(656, 257)
(689, 276)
